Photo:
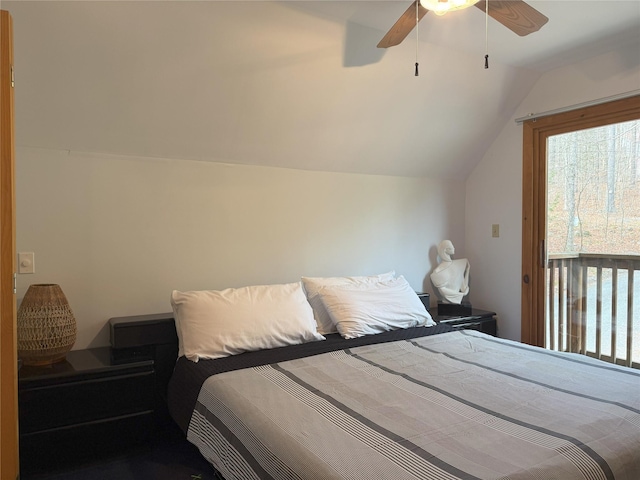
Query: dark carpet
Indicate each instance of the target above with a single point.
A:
(166, 457)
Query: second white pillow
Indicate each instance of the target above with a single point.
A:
(384, 306)
(312, 286)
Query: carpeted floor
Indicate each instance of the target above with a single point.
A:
(169, 457)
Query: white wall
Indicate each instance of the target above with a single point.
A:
(494, 189)
(119, 233)
(254, 83)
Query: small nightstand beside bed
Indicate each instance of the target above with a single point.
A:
(403, 401)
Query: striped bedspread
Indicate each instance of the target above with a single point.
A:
(456, 405)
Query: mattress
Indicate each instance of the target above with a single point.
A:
(456, 405)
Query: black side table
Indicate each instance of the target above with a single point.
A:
(83, 407)
(481, 320)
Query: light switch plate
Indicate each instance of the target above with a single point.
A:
(495, 230)
(26, 262)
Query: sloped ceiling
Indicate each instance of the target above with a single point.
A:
(289, 84)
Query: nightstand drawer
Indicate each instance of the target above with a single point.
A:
(48, 450)
(53, 406)
(481, 320)
(486, 326)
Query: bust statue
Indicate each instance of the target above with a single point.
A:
(451, 277)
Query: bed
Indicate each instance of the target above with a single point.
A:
(417, 401)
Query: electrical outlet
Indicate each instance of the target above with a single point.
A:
(26, 262)
(495, 230)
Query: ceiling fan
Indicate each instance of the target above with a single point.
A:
(516, 15)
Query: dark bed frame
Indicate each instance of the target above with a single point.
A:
(154, 337)
(148, 336)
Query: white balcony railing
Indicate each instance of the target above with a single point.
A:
(590, 306)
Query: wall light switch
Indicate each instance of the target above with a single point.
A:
(26, 262)
(495, 230)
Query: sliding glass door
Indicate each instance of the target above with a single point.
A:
(593, 242)
(581, 231)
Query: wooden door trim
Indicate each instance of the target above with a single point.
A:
(9, 459)
(534, 208)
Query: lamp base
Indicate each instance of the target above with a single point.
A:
(41, 359)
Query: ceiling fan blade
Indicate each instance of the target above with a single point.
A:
(403, 26)
(516, 15)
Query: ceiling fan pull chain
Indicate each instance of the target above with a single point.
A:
(486, 35)
(417, 33)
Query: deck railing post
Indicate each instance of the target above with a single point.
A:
(630, 275)
(614, 312)
(574, 306)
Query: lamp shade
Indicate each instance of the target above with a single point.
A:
(46, 325)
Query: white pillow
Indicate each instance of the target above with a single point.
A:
(213, 324)
(383, 306)
(312, 285)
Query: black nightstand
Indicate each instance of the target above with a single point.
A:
(482, 320)
(83, 407)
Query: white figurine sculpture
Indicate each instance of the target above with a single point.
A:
(451, 277)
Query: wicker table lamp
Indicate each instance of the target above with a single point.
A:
(46, 325)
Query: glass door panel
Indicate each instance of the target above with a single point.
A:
(593, 242)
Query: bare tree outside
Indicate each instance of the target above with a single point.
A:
(594, 190)
(593, 241)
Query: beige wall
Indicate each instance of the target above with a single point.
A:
(119, 233)
(494, 189)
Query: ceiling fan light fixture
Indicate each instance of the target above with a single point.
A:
(440, 7)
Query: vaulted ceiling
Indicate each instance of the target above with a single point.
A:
(289, 84)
